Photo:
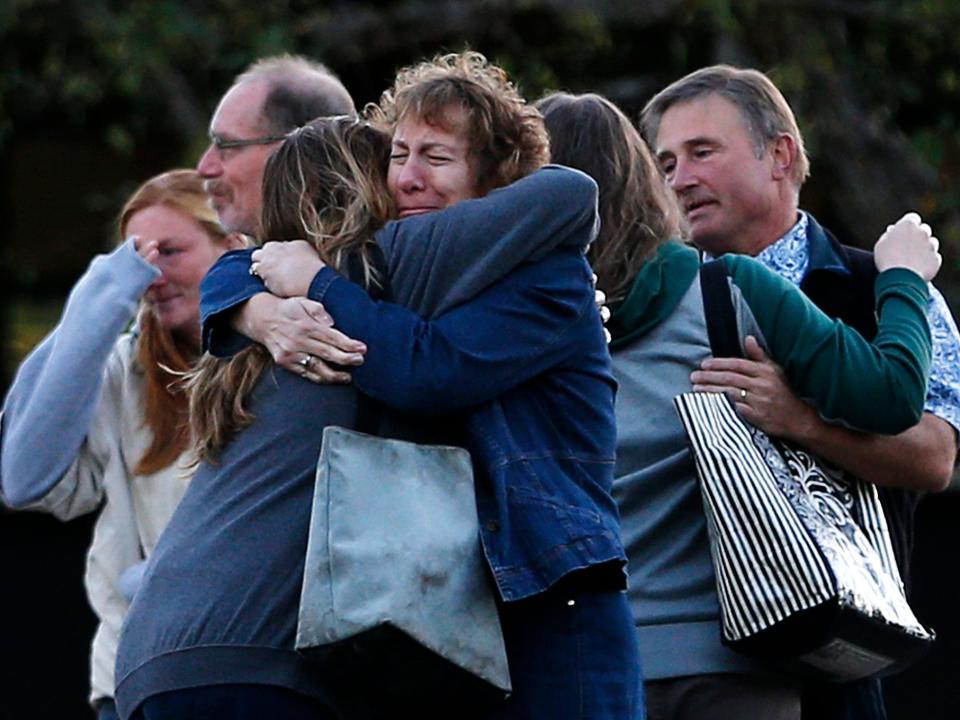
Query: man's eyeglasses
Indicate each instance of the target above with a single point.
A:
(222, 144)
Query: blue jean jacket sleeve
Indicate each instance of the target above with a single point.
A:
(524, 324)
(439, 260)
(227, 285)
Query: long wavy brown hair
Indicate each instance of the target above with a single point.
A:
(326, 184)
(165, 356)
(638, 211)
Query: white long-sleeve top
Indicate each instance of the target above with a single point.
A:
(72, 431)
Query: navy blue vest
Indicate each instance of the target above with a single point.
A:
(850, 297)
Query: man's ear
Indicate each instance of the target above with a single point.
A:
(783, 152)
(237, 241)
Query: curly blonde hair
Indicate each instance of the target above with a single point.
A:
(506, 134)
(327, 184)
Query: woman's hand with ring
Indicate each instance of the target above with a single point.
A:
(287, 268)
(305, 362)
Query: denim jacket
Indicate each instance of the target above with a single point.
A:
(526, 362)
(523, 365)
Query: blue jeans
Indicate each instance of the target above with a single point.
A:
(573, 654)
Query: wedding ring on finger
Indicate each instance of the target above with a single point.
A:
(305, 362)
(254, 269)
(743, 395)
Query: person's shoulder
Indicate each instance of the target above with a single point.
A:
(565, 178)
(737, 264)
(855, 256)
(564, 172)
(843, 263)
(859, 261)
(820, 234)
(230, 261)
(235, 255)
(558, 185)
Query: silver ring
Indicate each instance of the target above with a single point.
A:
(743, 394)
(305, 361)
(253, 270)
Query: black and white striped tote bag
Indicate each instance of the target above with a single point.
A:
(802, 556)
(797, 577)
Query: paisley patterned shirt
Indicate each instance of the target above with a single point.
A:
(789, 257)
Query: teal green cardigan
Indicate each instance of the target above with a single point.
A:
(659, 339)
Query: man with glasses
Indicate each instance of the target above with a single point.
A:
(272, 97)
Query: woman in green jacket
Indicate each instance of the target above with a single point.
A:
(660, 337)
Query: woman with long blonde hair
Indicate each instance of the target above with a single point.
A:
(97, 417)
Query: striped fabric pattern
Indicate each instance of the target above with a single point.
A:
(783, 530)
(767, 565)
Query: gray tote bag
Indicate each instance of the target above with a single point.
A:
(395, 587)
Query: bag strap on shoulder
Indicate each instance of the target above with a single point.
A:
(718, 310)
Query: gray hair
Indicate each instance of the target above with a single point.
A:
(300, 90)
(762, 106)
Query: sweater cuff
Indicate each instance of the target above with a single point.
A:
(221, 340)
(132, 265)
(122, 276)
(900, 281)
(226, 286)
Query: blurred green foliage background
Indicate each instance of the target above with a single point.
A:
(97, 95)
